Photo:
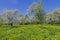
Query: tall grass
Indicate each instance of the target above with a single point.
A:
(30, 32)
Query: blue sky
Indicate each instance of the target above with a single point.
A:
(22, 5)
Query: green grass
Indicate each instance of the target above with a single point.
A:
(30, 32)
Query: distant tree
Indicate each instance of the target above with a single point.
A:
(11, 15)
(1, 19)
(23, 19)
(37, 9)
(53, 17)
(21, 15)
(28, 20)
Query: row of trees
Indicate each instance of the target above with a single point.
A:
(53, 17)
(35, 14)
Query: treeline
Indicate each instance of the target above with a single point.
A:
(35, 15)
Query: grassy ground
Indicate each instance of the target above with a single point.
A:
(30, 32)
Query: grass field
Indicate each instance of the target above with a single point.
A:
(30, 32)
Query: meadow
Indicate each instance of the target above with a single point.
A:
(29, 20)
(30, 32)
